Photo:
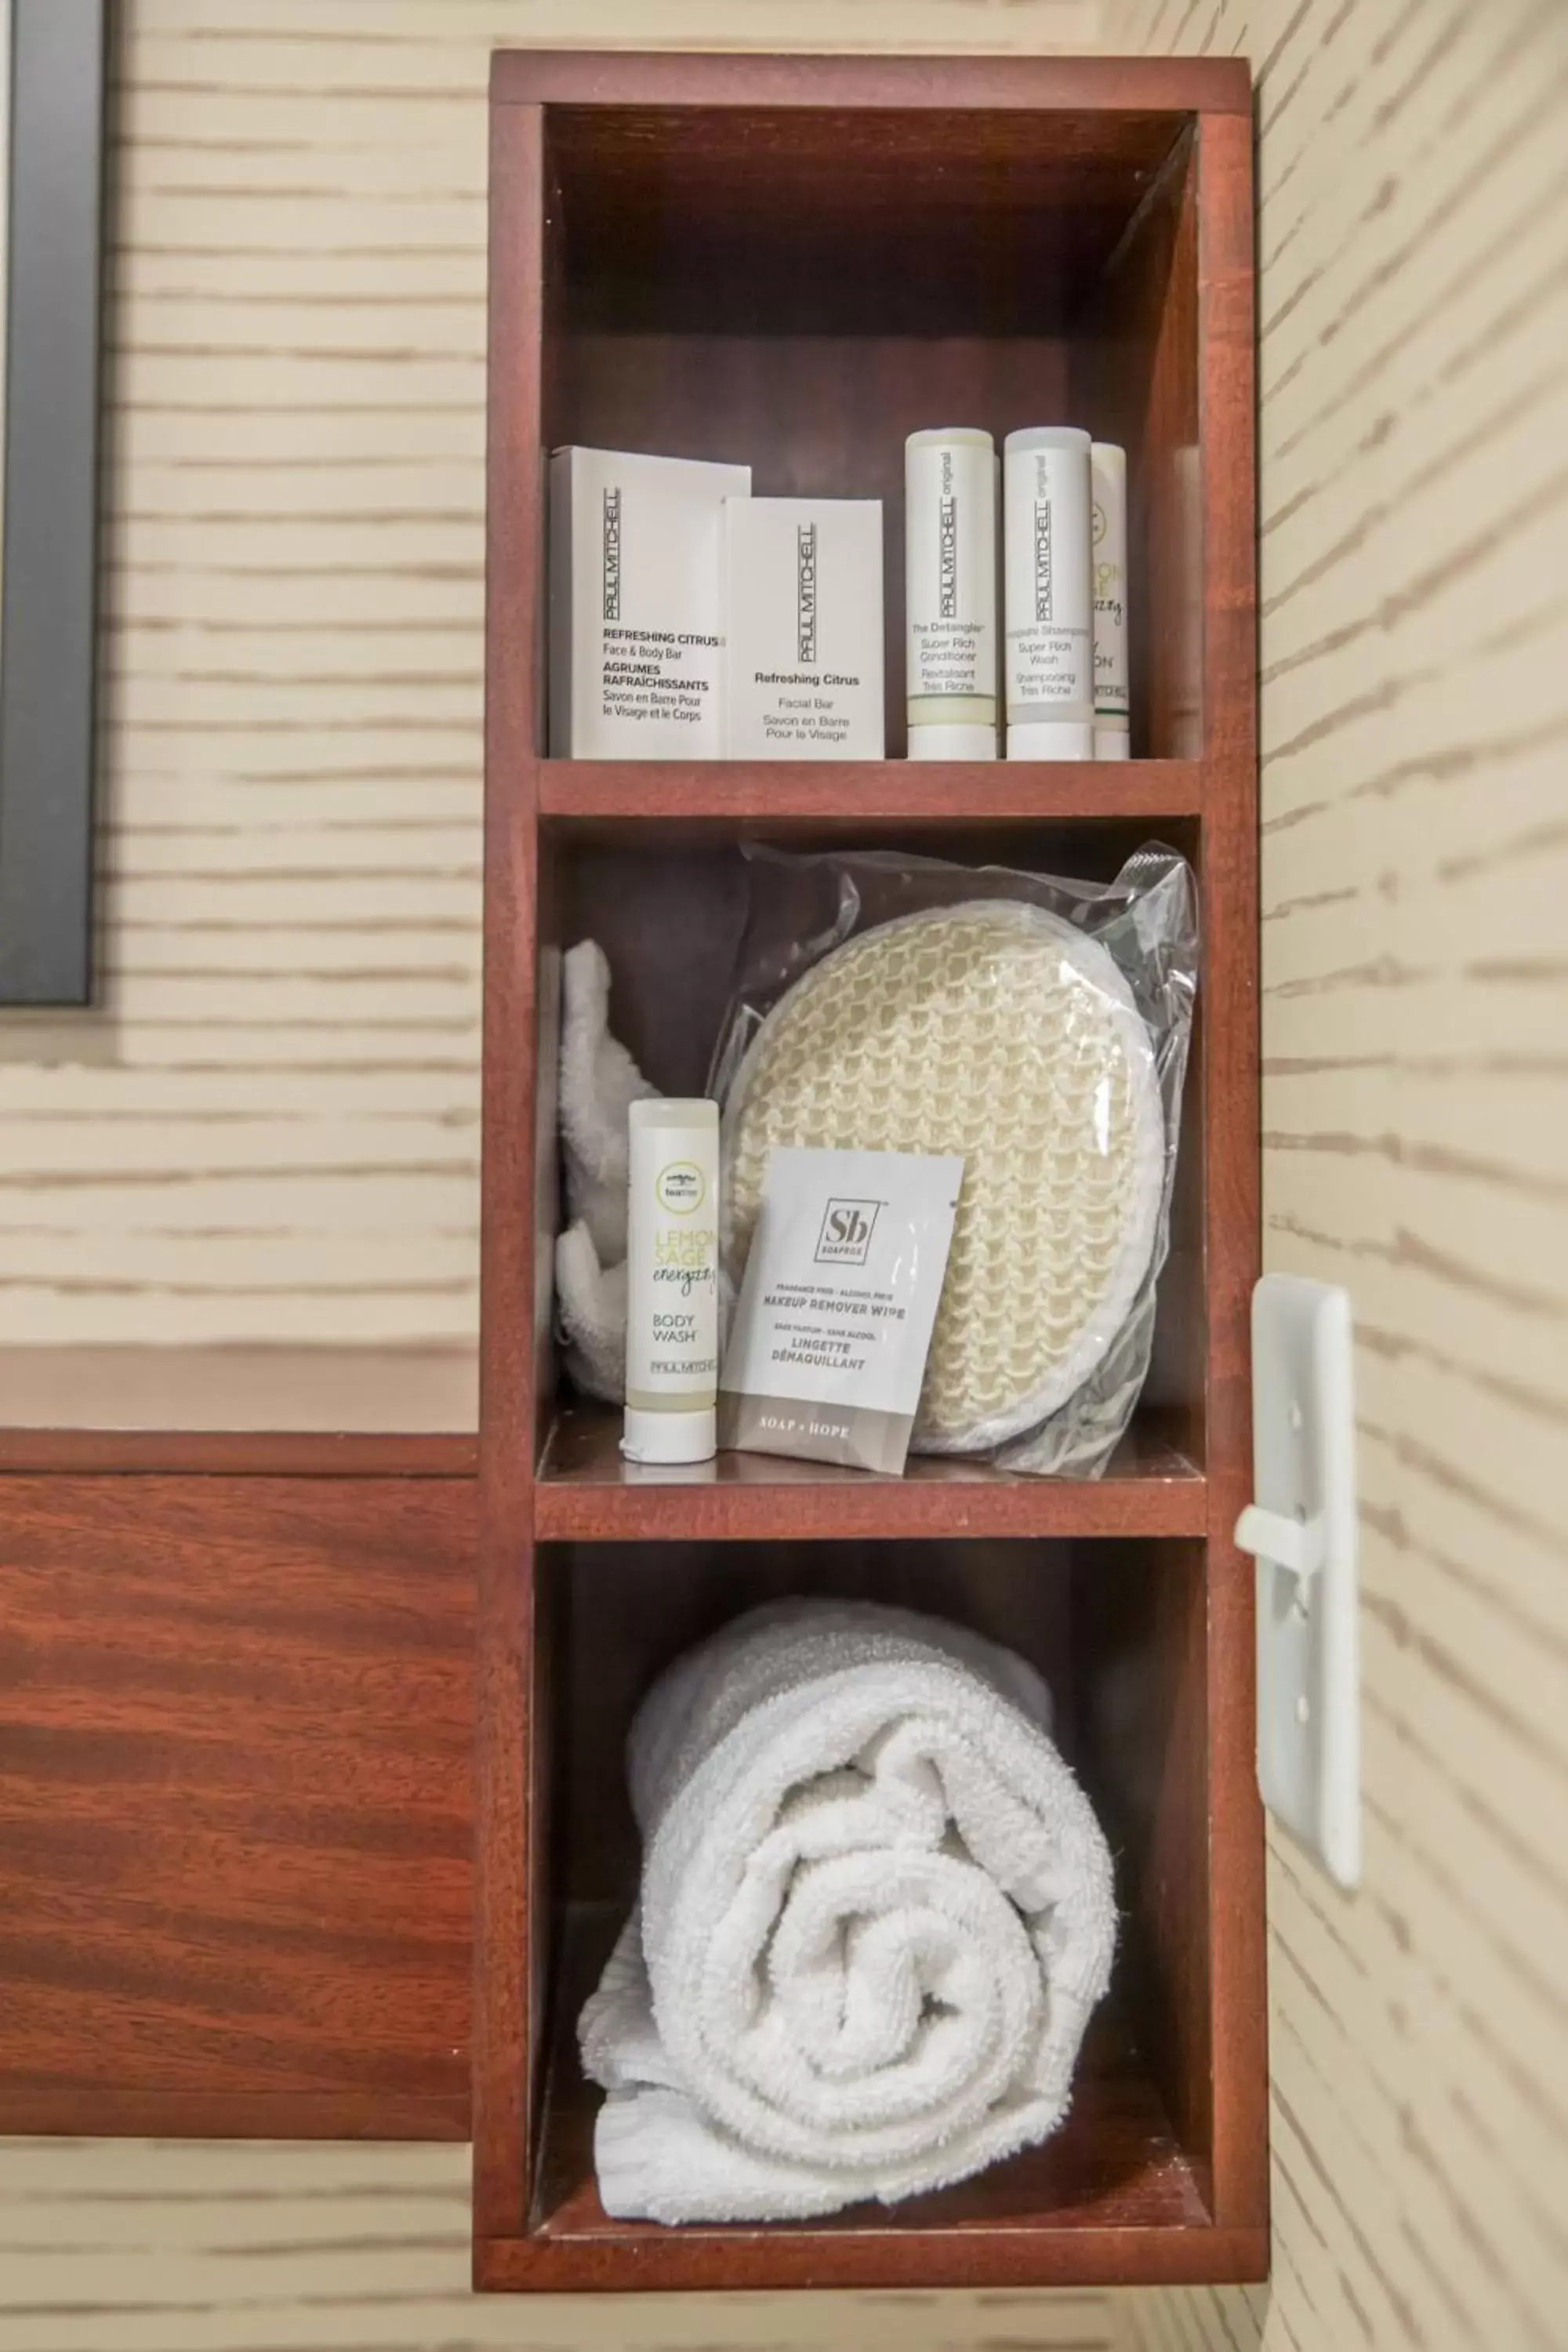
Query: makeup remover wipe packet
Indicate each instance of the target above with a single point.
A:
(829, 1344)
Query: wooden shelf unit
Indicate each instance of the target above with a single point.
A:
(796, 261)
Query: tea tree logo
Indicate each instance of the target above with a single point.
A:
(613, 555)
(806, 593)
(846, 1230)
(947, 543)
(681, 1187)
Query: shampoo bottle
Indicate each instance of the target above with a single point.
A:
(1049, 595)
(672, 1281)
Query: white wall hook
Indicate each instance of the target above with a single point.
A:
(1295, 1544)
(1301, 1530)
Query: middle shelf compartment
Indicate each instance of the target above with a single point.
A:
(665, 896)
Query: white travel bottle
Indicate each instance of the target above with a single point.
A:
(1049, 592)
(950, 592)
(1112, 701)
(672, 1281)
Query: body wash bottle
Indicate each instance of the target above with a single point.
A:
(1112, 701)
(950, 592)
(672, 1281)
(1049, 595)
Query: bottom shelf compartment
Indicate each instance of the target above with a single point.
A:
(1125, 2190)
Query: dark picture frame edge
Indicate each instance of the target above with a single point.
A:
(48, 608)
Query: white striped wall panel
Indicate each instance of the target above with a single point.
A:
(115, 2246)
(262, 1152)
(1414, 248)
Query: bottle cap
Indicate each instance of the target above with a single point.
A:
(690, 1436)
(952, 742)
(1046, 437)
(673, 1111)
(1112, 742)
(937, 437)
(1051, 738)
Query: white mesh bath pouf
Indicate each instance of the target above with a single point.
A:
(994, 1029)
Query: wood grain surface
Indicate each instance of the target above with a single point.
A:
(284, 1453)
(586, 1491)
(1231, 1969)
(776, 796)
(1133, 86)
(512, 1929)
(234, 1804)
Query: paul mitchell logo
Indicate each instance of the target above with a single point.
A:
(846, 1230)
(1043, 580)
(806, 593)
(611, 555)
(947, 543)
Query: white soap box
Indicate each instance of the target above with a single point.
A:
(636, 605)
(804, 618)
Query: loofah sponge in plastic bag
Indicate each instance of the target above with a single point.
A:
(997, 1027)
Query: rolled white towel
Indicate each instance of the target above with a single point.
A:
(877, 1911)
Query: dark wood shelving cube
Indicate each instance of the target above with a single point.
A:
(795, 262)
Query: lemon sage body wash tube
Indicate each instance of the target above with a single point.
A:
(672, 1281)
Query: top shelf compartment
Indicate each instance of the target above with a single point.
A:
(693, 219)
(798, 287)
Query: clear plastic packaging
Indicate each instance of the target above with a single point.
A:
(1038, 1026)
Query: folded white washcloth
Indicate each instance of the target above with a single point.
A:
(877, 1911)
(599, 1082)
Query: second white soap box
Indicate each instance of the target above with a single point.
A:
(803, 612)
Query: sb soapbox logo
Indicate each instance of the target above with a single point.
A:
(846, 1230)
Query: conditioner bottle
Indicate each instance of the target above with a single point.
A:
(950, 592)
